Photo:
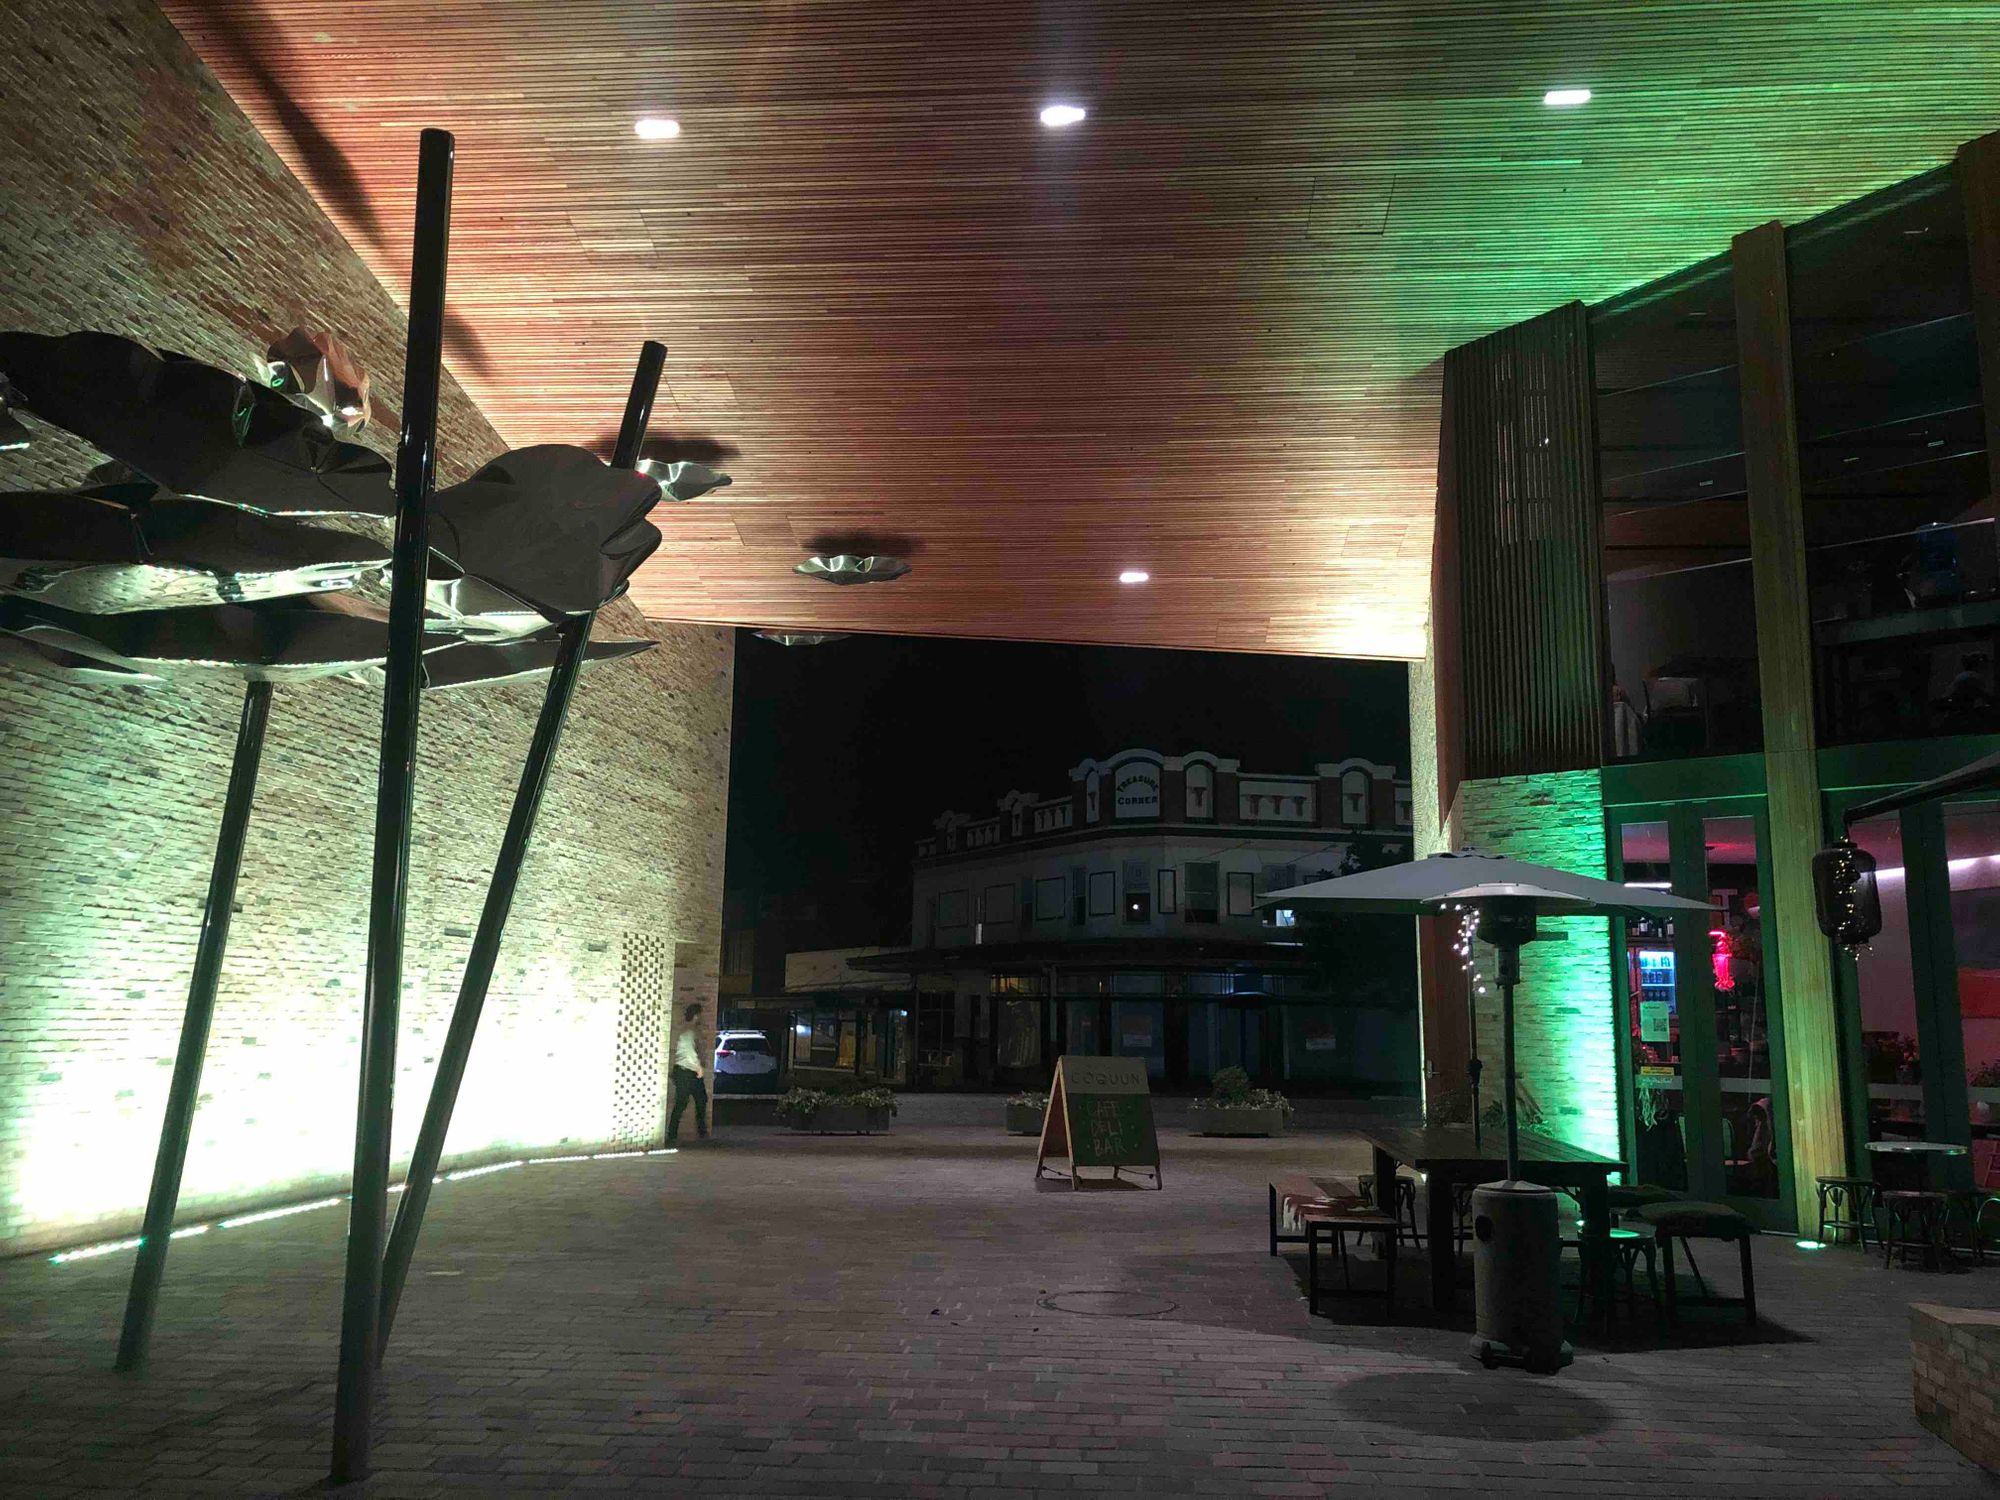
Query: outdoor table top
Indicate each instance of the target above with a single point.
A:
(1453, 1146)
(1936, 1148)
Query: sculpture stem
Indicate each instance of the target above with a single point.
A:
(185, 1089)
(479, 965)
(416, 452)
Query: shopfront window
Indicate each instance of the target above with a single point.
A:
(1887, 990)
(1139, 1029)
(1750, 1147)
(1020, 1033)
(1681, 620)
(1653, 1014)
(1902, 575)
(1972, 864)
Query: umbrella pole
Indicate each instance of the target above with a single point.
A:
(1472, 1063)
(1510, 975)
(574, 634)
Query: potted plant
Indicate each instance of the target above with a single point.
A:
(854, 1112)
(1234, 1108)
(1025, 1111)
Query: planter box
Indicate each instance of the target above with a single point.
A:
(1023, 1119)
(1240, 1121)
(844, 1119)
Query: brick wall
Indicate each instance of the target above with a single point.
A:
(1955, 1377)
(1564, 1041)
(139, 200)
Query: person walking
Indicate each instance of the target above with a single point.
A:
(685, 1073)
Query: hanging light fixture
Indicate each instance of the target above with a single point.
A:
(846, 567)
(800, 637)
(683, 479)
(1844, 893)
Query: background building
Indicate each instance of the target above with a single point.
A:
(1118, 917)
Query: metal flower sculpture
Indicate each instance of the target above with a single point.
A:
(12, 433)
(551, 525)
(845, 567)
(154, 577)
(682, 479)
(193, 429)
(115, 548)
(316, 370)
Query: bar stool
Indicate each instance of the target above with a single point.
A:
(1628, 1246)
(1914, 1219)
(1845, 1203)
(1974, 1206)
(1405, 1207)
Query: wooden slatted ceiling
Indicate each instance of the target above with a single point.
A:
(1195, 335)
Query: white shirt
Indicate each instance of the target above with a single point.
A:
(687, 1048)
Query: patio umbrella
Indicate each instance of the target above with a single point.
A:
(1518, 1250)
(1507, 894)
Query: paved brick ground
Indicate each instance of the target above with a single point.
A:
(805, 1316)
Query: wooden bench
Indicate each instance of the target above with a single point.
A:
(1307, 1212)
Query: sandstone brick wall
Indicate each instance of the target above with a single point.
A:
(1564, 1037)
(138, 199)
(1955, 1377)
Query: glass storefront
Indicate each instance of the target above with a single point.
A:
(1972, 866)
(1886, 991)
(1735, 974)
(1924, 996)
(1702, 1023)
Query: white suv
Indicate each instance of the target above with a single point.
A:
(744, 1061)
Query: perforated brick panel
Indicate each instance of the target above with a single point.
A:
(642, 1038)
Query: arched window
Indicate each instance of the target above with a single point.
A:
(1200, 790)
(1356, 792)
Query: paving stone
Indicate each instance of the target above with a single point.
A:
(756, 1318)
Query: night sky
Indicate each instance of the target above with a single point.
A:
(843, 754)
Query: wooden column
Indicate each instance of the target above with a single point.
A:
(1978, 169)
(1784, 649)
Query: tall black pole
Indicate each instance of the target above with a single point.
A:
(416, 456)
(1473, 1066)
(185, 1089)
(573, 638)
(1510, 975)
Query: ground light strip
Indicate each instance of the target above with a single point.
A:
(262, 1216)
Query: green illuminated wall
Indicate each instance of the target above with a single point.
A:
(1564, 1036)
(165, 216)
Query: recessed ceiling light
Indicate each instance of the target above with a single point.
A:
(656, 127)
(1134, 575)
(1566, 98)
(1062, 116)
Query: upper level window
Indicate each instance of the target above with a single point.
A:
(1203, 900)
(1682, 627)
(1200, 781)
(1899, 516)
(1357, 787)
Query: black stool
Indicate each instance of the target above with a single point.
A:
(1914, 1219)
(1334, 1222)
(1975, 1206)
(1405, 1205)
(1701, 1221)
(1845, 1203)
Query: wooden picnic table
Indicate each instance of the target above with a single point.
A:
(1449, 1155)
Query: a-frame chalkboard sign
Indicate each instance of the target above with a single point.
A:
(1100, 1115)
